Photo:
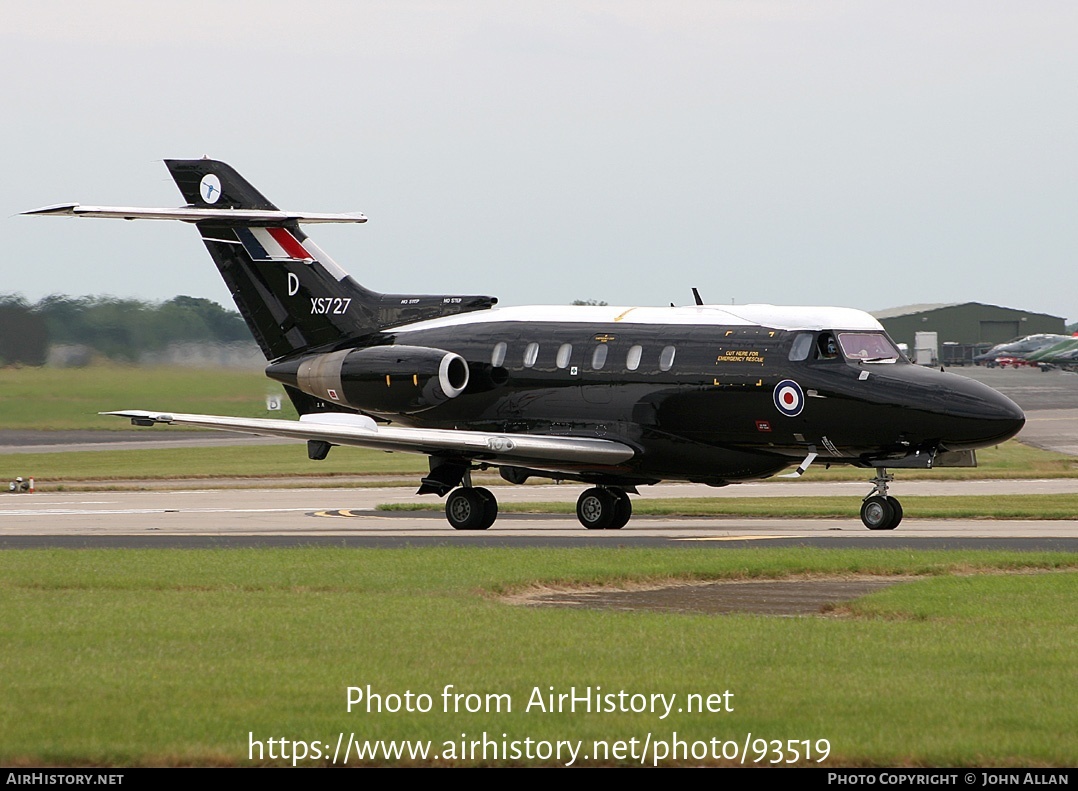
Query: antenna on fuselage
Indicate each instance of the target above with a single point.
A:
(696, 296)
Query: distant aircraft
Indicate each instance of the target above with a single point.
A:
(1017, 351)
(612, 397)
(1057, 355)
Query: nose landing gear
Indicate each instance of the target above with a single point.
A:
(880, 511)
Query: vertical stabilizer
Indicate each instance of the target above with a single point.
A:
(292, 295)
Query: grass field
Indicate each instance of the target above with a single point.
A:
(153, 657)
(70, 398)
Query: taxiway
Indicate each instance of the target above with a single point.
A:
(289, 517)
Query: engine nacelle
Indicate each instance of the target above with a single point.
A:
(379, 379)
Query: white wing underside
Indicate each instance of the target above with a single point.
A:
(526, 450)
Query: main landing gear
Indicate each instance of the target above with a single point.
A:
(880, 511)
(604, 508)
(599, 508)
(471, 508)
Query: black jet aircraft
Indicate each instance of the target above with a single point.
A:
(612, 397)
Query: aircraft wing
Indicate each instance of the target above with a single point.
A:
(529, 450)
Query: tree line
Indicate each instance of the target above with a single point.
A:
(120, 329)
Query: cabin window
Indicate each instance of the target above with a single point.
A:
(598, 357)
(632, 359)
(565, 351)
(531, 354)
(666, 358)
(497, 357)
(801, 347)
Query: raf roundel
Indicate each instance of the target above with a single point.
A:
(789, 400)
(210, 188)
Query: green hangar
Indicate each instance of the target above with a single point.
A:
(966, 323)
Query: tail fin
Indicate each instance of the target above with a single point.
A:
(292, 295)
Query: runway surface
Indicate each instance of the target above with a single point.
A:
(295, 517)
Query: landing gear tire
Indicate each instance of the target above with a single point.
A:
(623, 509)
(880, 512)
(595, 509)
(490, 506)
(897, 506)
(471, 508)
(604, 509)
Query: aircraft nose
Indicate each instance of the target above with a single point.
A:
(981, 417)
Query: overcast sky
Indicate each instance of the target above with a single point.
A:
(862, 154)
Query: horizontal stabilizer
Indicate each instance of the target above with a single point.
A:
(541, 452)
(195, 214)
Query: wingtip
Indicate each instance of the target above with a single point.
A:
(57, 208)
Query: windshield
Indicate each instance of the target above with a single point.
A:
(868, 347)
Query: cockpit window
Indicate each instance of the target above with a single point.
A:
(826, 348)
(868, 347)
(799, 349)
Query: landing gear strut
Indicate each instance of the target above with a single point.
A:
(604, 508)
(880, 511)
